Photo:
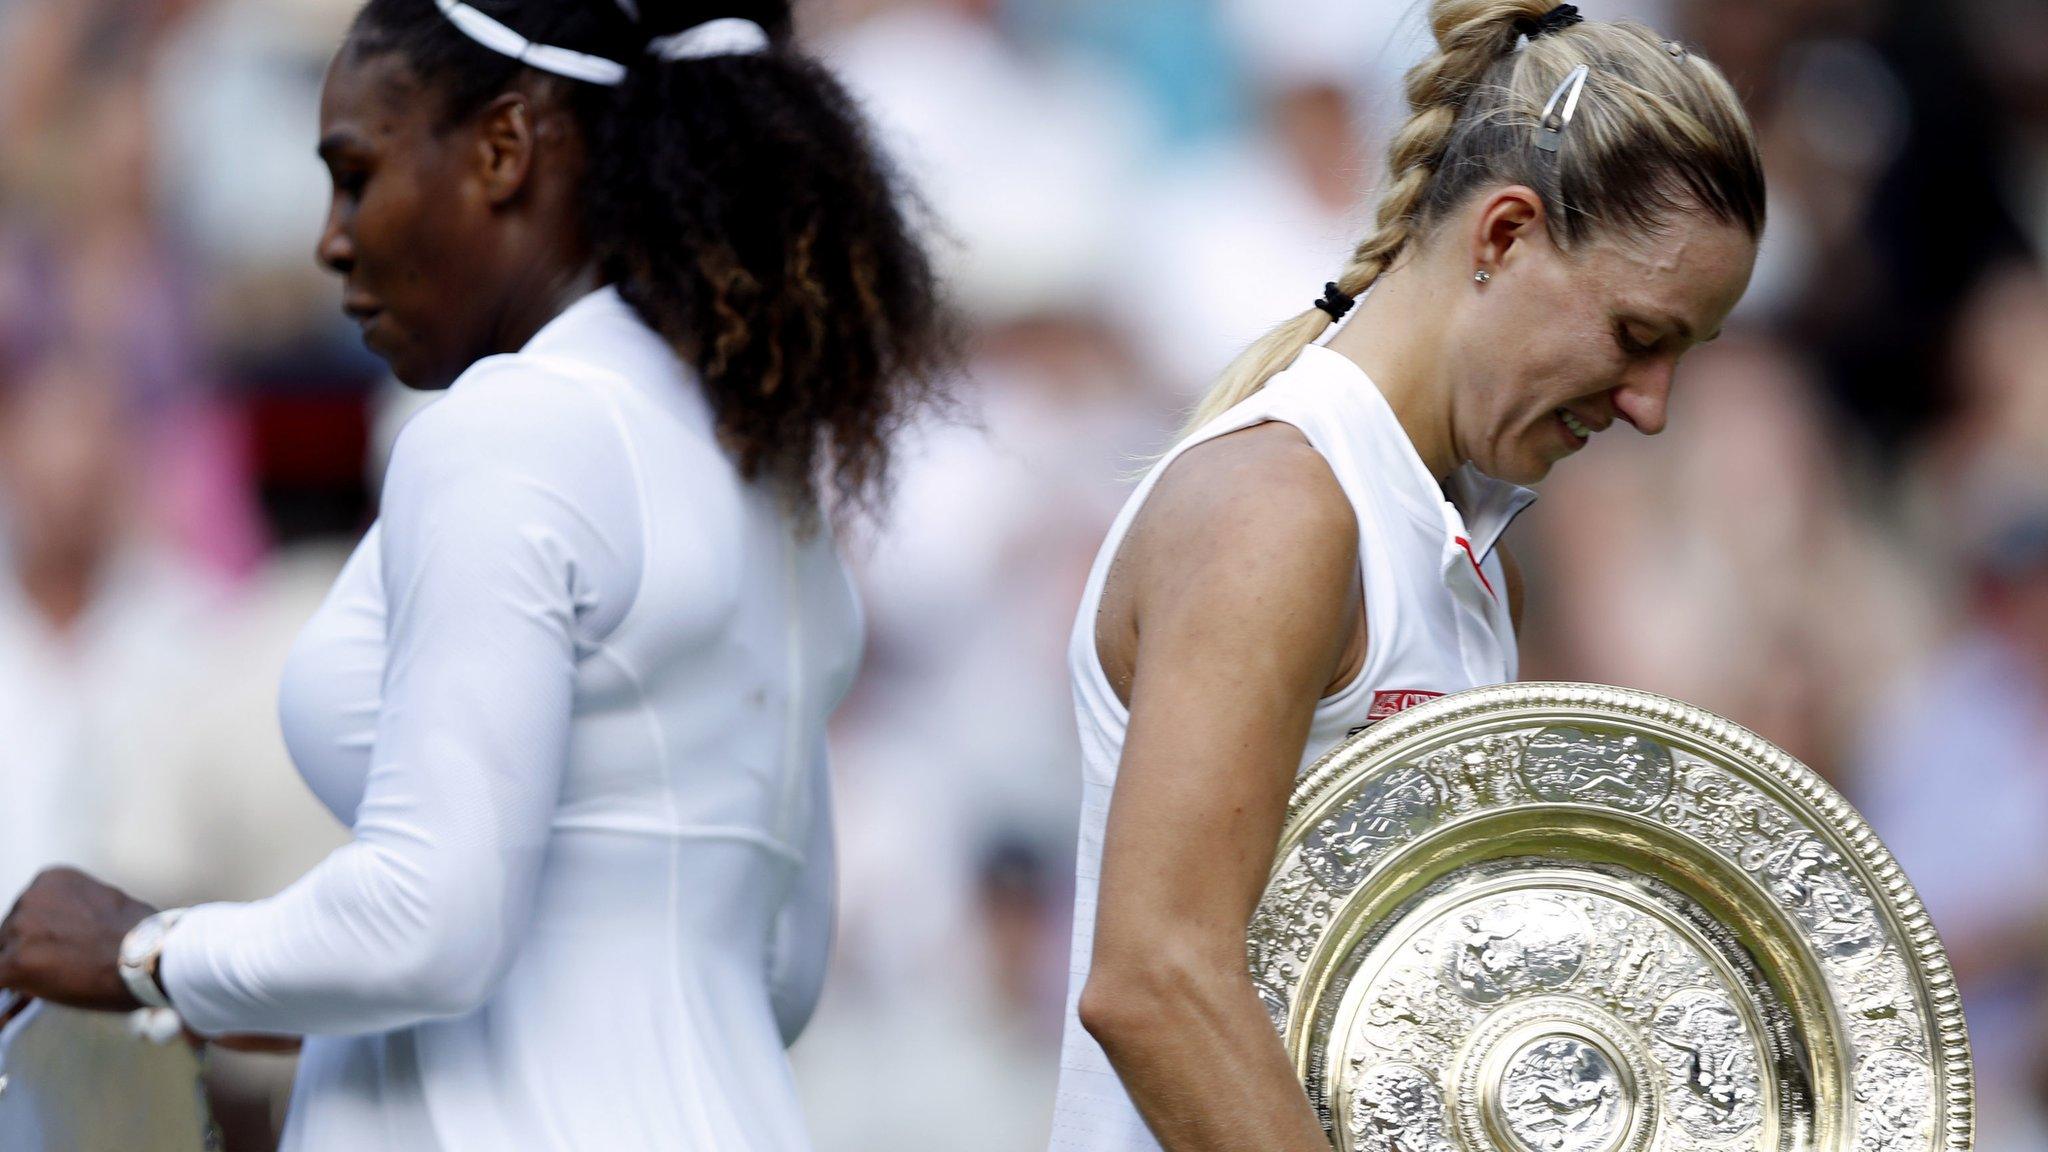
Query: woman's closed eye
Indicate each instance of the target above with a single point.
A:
(1633, 341)
(347, 170)
(348, 180)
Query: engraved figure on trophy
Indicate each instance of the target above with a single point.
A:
(1284, 933)
(1625, 771)
(1517, 944)
(1706, 803)
(1479, 773)
(1561, 1094)
(1807, 876)
(1898, 1086)
(1395, 807)
(1712, 1070)
(1398, 1108)
(1393, 1023)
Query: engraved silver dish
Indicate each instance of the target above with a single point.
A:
(1572, 918)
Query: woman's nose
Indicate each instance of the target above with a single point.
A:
(1644, 399)
(336, 251)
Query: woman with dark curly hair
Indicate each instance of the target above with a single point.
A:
(570, 692)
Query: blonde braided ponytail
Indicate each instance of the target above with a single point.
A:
(1471, 36)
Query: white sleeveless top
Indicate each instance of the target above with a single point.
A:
(1437, 622)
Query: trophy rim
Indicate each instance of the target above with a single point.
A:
(1446, 718)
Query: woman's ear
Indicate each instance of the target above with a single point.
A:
(1504, 225)
(505, 147)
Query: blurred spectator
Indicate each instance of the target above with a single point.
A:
(1242, 233)
(136, 701)
(2009, 38)
(1025, 158)
(1883, 151)
(960, 732)
(75, 140)
(137, 685)
(1963, 742)
(234, 105)
(1999, 362)
(962, 721)
(96, 625)
(970, 1060)
(1176, 54)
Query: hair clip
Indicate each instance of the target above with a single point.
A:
(1550, 128)
(1678, 51)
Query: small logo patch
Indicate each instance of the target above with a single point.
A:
(1385, 704)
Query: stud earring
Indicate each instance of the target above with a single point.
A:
(1483, 276)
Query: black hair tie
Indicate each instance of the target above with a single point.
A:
(1334, 301)
(1561, 17)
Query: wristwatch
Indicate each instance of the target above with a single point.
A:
(140, 951)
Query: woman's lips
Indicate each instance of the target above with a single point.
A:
(365, 314)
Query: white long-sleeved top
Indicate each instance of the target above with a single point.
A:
(570, 695)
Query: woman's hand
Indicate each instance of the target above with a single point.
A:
(62, 941)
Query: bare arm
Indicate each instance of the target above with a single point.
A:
(1243, 567)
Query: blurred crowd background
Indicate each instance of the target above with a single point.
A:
(1841, 542)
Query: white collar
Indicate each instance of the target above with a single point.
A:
(1469, 505)
(1487, 505)
(604, 332)
(570, 332)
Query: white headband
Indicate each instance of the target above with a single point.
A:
(727, 36)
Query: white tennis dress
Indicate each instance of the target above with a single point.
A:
(570, 693)
(1437, 622)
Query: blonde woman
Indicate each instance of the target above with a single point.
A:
(1572, 207)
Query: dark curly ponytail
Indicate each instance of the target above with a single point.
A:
(741, 208)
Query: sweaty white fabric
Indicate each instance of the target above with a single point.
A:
(570, 694)
(1436, 618)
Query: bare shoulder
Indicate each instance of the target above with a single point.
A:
(1263, 486)
(1246, 544)
(1251, 508)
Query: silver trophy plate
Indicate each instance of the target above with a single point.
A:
(1571, 918)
